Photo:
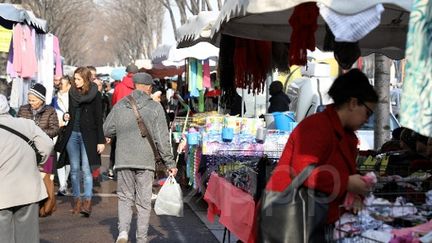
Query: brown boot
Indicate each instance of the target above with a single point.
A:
(86, 208)
(76, 207)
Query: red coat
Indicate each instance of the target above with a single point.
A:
(123, 89)
(320, 139)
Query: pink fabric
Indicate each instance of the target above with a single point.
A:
(404, 239)
(370, 179)
(206, 74)
(236, 208)
(49, 165)
(422, 229)
(24, 59)
(57, 58)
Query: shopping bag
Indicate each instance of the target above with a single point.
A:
(295, 215)
(170, 199)
(48, 205)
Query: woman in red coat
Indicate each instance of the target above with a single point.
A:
(327, 139)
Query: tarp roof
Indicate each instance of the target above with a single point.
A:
(11, 14)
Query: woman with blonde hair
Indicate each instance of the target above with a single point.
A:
(83, 139)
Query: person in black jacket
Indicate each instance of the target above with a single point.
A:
(279, 101)
(83, 140)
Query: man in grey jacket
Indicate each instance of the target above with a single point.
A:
(21, 186)
(135, 160)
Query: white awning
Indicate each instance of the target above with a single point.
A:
(268, 20)
(196, 29)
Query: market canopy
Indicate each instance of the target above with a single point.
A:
(11, 14)
(196, 29)
(268, 20)
(171, 55)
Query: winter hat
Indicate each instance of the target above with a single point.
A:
(39, 91)
(4, 105)
(131, 68)
(143, 78)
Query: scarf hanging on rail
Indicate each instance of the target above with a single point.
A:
(304, 24)
(252, 60)
(206, 74)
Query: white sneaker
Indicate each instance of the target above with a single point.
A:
(123, 237)
(154, 196)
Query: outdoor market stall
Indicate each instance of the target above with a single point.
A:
(34, 55)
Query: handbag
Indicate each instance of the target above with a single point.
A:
(48, 205)
(295, 215)
(27, 140)
(161, 169)
(59, 145)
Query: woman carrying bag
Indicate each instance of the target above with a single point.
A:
(83, 137)
(321, 155)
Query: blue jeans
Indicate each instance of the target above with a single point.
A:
(78, 157)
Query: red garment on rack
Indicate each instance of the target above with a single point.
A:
(236, 208)
(304, 24)
(252, 62)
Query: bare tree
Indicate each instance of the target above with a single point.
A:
(382, 86)
(185, 7)
(137, 27)
(69, 21)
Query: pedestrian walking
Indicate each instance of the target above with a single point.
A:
(328, 140)
(121, 90)
(21, 186)
(135, 157)
(43, 115)
(83, 137)
(60, 103)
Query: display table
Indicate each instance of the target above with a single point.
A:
(235, 208)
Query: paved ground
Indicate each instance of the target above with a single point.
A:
(102, 225)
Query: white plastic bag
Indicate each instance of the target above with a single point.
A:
(170, 199)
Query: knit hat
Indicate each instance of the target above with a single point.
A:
(143, 78)
(131, 68)
(4, 105)
(39, 91)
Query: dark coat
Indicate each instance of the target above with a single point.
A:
(279, 102)
(90, 126)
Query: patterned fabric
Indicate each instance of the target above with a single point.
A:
(416, 106)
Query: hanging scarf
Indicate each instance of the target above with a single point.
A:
(252, 60)
(77, 98)
(304, 24)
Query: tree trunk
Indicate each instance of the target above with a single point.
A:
(382, 110)
(173, 20)
(219, 3)
(182, 10)
(209, 6)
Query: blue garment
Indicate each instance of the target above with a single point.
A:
(416, 106)
(78, 159)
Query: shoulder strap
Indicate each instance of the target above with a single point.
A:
(299, 179)
(142, 127)
(25, 138)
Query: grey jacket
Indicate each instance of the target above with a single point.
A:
(21, 181)
(132, 150)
